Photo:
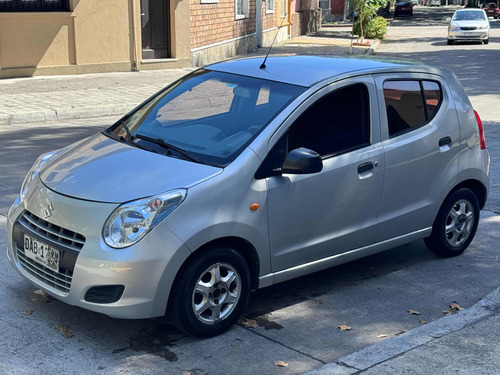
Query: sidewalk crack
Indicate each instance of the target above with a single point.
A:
(286, 346)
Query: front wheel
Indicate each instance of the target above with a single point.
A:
(455, 224)
(486, 41)
(450, 42)
(210, 293)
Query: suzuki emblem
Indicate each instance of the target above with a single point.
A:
(47, 210)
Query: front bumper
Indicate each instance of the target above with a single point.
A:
(468, 35)
(146, 270)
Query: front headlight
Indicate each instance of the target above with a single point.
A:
(131, 221)
(482, 27)
(35, 170)
(453, 27)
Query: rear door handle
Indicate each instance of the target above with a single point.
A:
(365, 167)
(444, 141)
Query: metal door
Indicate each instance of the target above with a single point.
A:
(314, 216)
(155, 29)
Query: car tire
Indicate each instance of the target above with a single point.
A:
(455, 224)
(450, 42)
(486, 41)
(210, 293)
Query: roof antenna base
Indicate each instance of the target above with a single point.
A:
(263, 65)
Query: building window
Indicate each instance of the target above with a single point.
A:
(269, 6)
(34, 5)
(283, 8)
(241, 9)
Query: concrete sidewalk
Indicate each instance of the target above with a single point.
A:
(463, 343)
(57, 98)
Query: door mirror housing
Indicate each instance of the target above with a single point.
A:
(302, 161)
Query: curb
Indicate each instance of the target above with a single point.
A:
(373, 48)
(388, 349)
(54, 115)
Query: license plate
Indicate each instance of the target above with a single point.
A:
(41, 253)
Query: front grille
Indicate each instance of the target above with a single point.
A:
(68, 243)
(52, 232)
(468, 28)
(59, 281)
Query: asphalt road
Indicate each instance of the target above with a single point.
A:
(298, 319)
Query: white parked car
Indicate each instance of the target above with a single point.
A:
(469, 25)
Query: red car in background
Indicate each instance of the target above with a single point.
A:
(492, 10)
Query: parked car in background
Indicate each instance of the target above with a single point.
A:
(435, 3)
(469, 24)
(403, 8)
(492, 10)
(241, 175)
(414, 2)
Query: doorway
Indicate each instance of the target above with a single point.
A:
(155, 23)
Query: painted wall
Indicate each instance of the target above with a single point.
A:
(96, 36)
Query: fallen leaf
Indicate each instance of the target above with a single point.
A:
(250, 323)
(317, 301)
(40, 292)
(344, 327)
(62, 327)
(281, 364)
(423, 322)
(186, 373)
(28, 312)
(455, 306)
(65, 330)
(414, 312)
(381, 336)
(400, 332)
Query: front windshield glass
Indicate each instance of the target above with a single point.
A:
(210, 115)
(469, 15)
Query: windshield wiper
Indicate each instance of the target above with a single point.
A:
(124, 126)
(161, 142)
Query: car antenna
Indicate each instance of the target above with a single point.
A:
(263, 65)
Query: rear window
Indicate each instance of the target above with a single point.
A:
(410, 104)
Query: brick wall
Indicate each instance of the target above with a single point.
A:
(214, 23)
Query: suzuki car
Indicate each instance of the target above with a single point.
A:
(242, 175)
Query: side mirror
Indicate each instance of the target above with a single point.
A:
(448, 19)
(302, 161)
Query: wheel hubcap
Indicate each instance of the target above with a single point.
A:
(459, 223)
(216, 293)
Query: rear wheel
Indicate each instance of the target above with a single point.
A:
(455, 224)
(210, 293)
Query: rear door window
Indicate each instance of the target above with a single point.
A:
(410, 104)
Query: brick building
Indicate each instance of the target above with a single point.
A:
(44, 37)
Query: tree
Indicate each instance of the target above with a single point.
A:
(366, 10)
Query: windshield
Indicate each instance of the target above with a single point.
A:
(208, 115)
(469, 15)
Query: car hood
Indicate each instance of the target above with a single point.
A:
(105, 170)
(469, 23)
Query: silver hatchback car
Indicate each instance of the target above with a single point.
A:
(237, 177)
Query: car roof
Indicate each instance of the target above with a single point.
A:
(309, 70)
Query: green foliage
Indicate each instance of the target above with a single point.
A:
(367, 10)
(373, 28)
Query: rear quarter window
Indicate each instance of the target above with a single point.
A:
(410, 104)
